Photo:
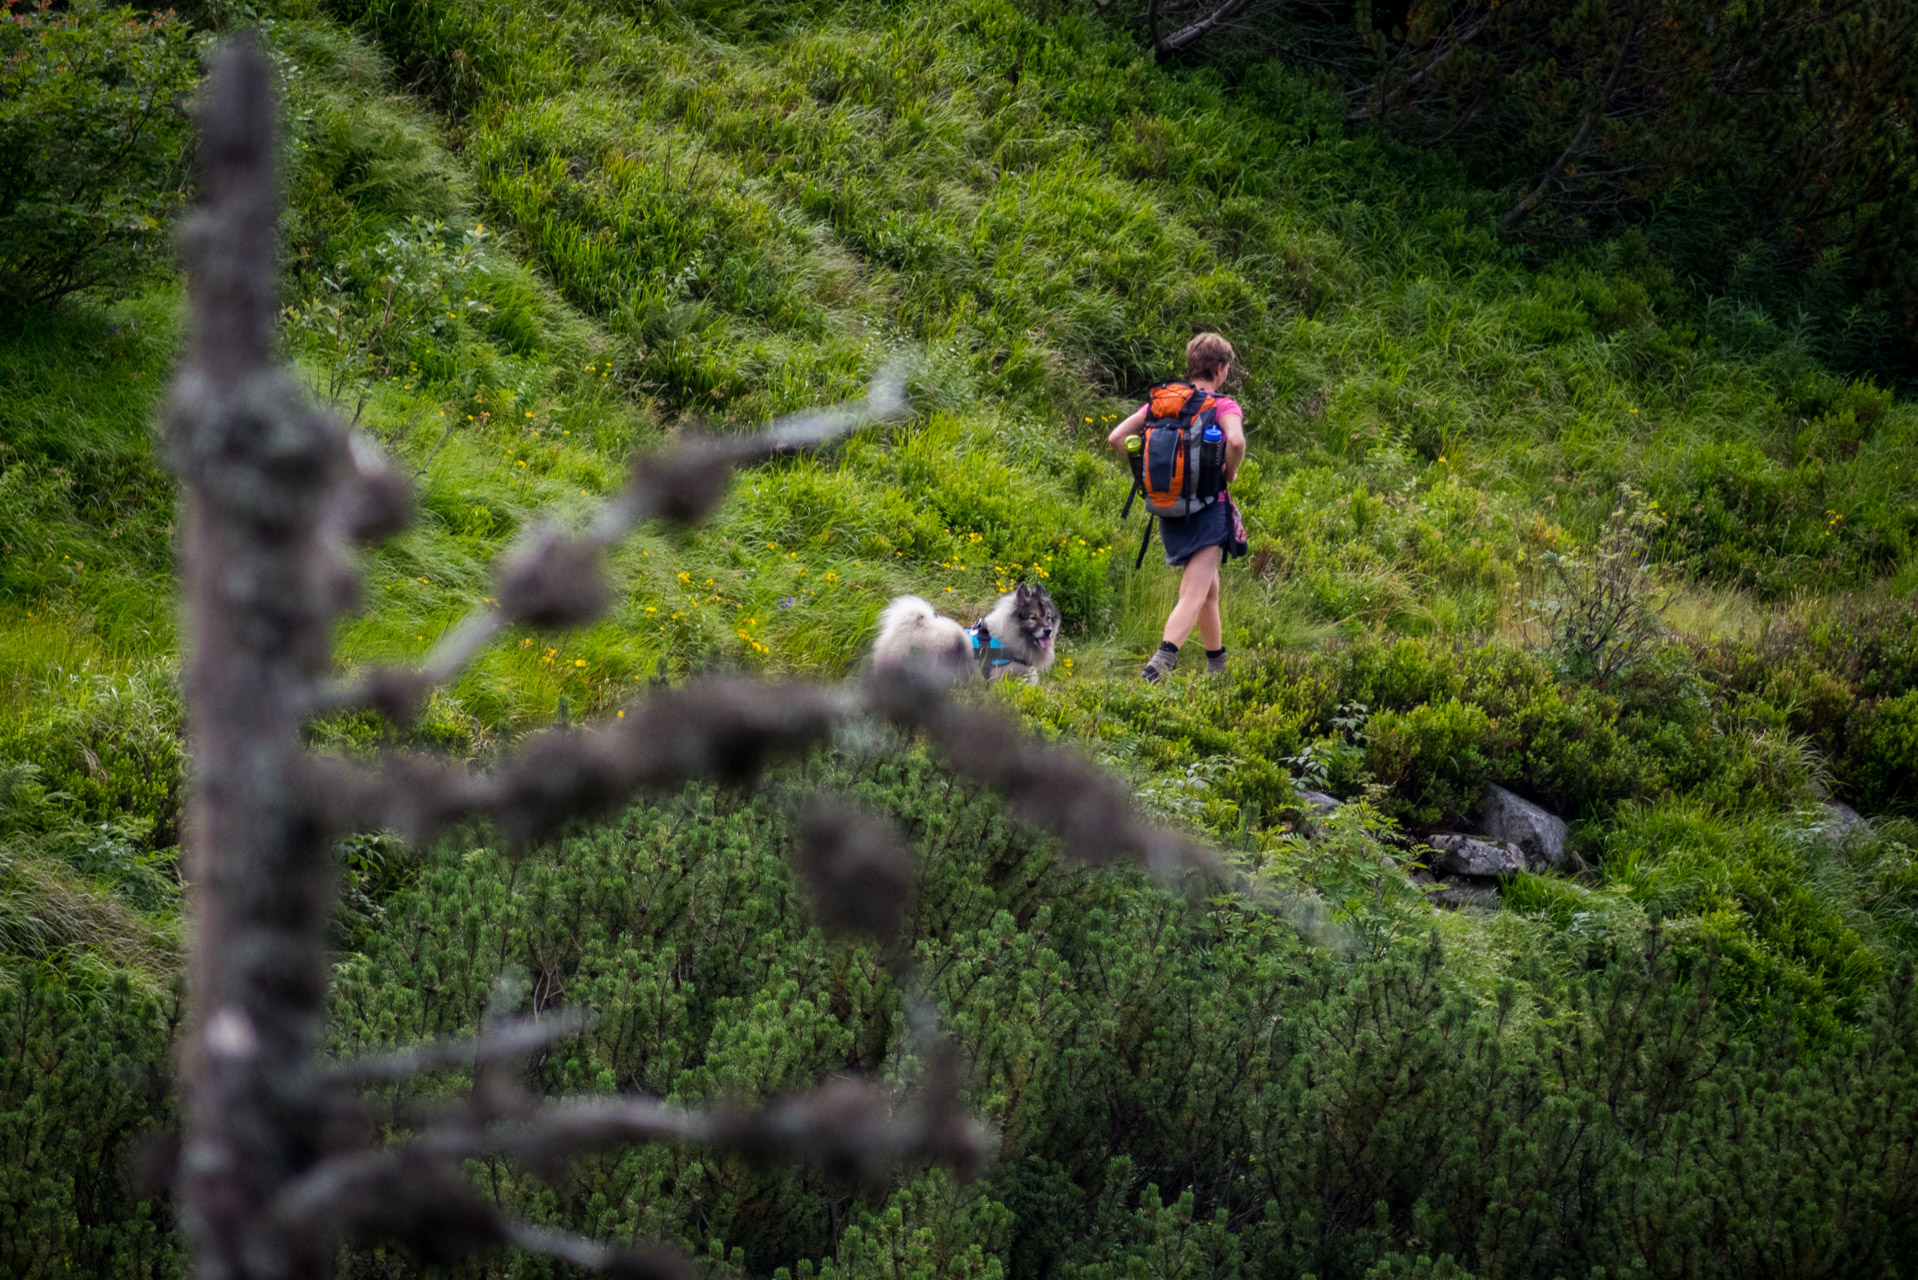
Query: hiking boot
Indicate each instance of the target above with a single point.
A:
(1161, 664)
(1215, 661)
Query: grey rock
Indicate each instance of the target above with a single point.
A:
(1468, 894)
(1470, 856)
(1841, 821)
(1512, 819)
(1319, 803)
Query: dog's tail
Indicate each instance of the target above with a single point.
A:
(904, 613)
(912, 632)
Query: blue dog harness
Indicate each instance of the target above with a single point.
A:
(987, 649)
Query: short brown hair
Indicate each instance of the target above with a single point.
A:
(1207, 355)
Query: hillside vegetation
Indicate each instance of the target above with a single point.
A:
(525, 240)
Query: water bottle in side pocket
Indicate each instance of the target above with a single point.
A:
(1211, 461)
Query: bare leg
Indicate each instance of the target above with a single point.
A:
(1198, 597)
(1211, 626)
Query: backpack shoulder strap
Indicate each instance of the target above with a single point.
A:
(1146, 541)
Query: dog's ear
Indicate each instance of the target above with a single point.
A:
(1024, 593)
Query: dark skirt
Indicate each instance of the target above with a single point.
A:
(1213, 526)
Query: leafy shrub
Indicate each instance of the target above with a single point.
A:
(1882, 873)
(1401, 674)
(1874, 646)
(1399, 1266)
(409, 293)
(1433, 757)
(1880, 765)
(928, 1228)
(92, 143)
(1602, 614)
(113, 754)
(1748, 891)
(1841, 683)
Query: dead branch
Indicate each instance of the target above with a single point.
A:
(1580, 140)
(857, 869)
(1221, 15)
(1054, 788)
(553, 581)
(277, 1167)
(412, 1189)
(262, 583)
(624, 1264)
(718, 730)
(512, 1041)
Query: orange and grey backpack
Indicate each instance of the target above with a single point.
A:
(1175, 469)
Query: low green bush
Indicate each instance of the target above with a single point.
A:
(1748, 892)
(92, 144)
(1880, 766)
(1842, 685)
(1432, 757)
(112, 753)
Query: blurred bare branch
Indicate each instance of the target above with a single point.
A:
(857, 869)
(554, 581)
(626, 1264)
(279, 1163)
(412, 1189)
(511, 1041)
(1054, 788)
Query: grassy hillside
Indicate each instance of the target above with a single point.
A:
(526, 240)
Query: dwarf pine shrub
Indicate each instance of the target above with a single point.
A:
(1593, 1108)
(85, 1079)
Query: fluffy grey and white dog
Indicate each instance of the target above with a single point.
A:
(1025, 622)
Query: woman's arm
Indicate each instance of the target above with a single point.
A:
(1233, 425)
(1130, 427)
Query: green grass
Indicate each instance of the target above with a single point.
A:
(85, 563)
(646, 224)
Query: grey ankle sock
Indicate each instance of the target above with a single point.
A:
(1161, 663)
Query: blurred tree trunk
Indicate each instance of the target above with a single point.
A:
(280, 1163)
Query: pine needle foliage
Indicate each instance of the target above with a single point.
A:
(1315, 1115)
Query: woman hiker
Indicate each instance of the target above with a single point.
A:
(1199, 542)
